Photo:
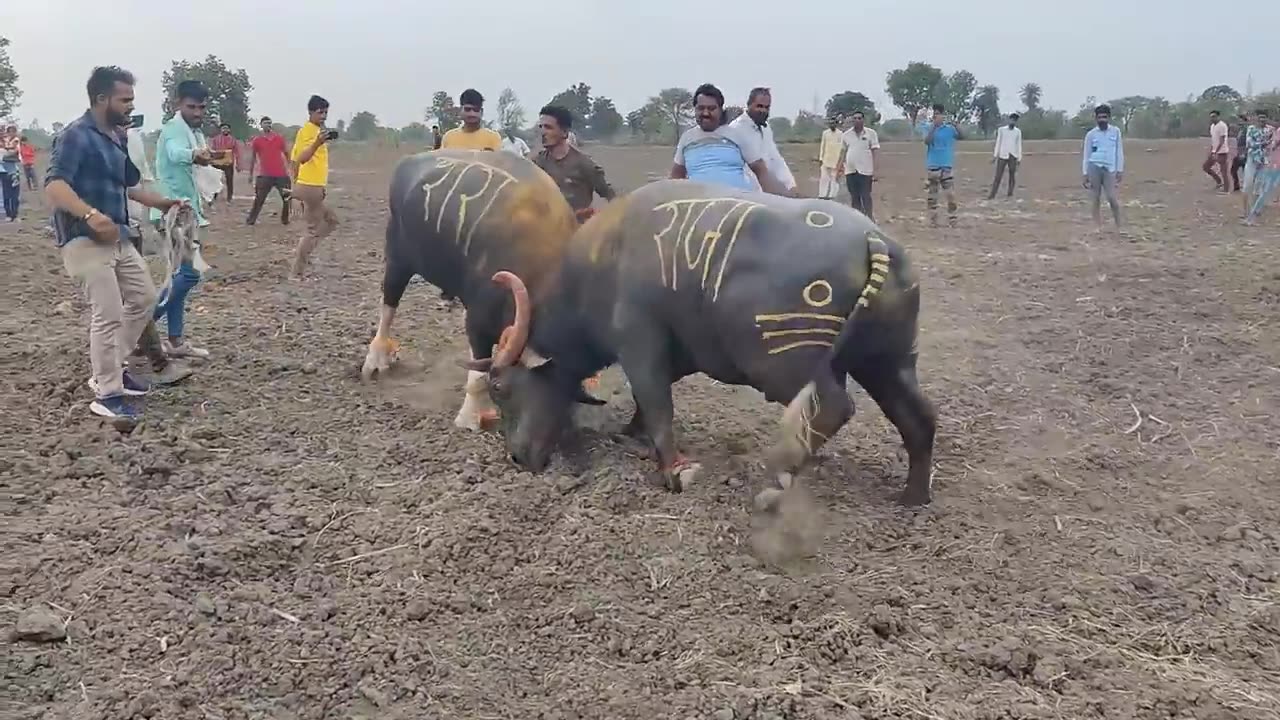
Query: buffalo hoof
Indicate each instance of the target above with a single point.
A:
(380, 358)
(681, 477)
(912, 497)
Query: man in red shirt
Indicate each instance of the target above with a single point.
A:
(226, 157)
(272, 160)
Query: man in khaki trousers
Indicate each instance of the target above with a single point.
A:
(89, 182)
(310, 158)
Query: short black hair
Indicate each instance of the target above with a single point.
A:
(265, 119)
(563, 117)
(191, 90)
(317, 103)
(1103, 109)
(226, 125)
(1014, 116)
(1214, 112)
(471, 96)
(757, 92)
(937, 107)
(103, 79)
(710, 91)
(858, 112)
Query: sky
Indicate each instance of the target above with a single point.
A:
(388, 57)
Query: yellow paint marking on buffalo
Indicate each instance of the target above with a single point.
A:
(783, 317)
(704, 255)
(821, 285)
(799, 344)
(798, 331)
(819, 219)
(457, 170)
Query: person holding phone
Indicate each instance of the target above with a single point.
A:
(310, 170)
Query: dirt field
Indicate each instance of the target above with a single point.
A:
(279, 541)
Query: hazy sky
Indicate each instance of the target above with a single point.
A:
(388, 56)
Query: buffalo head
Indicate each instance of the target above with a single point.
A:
(535, 399)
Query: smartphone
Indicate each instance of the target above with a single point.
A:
(333, 134)
(135, 121)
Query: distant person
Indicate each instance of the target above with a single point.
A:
(310, 168)
(473, 135)
(1239, 157)
(939, 160)
(714, 151)
(226, 157)
(436, 137)
(1257, 140)
(11, 171)
(269, 157)
(515, 144)
(579, 177)
(1007, 154)
(1215, 165)
(829, 155)
(1103, 163)
(27, 154)
(1266, 182)
(756, 120)
(861, 147)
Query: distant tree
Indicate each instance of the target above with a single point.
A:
(577, 100)
(1224, 94)
(57, 127)
(986, 108)
(342, 126)
(912, 87)
(733, 111)
(896, 129)
(604, 121)
(415, 132)
(228, 92)
(955, 92)
(1030, 95)
(364, 126)
(10, 93)
(782, 127)
(510, 111)
(444, 112)
(807, 126)
(672, 109)
(846, 103)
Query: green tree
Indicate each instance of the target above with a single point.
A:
(955, 92)
(1030, 95)
(10, 93)
(510, 111)
(783, 129)
(807, 127)
(444, 112)
(577, 100)
(986, 108)
(415, 132)
(342, 127)
(604, 121)
(364, 126)
(1222, 94)
(228, 92)
(912, 87)
(844, 104)
(669, 112)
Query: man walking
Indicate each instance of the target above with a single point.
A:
(939, 159)
(861, 147)
(1103, 163)
(472, 135)
(1258, 138)
(436, 137)
(27, 154)
(1241, 151)
(226, 157)
(1007, 154)
(310, 167)
(89, 183)
(11, 167)
(580, 179)
(830, 150)
(270, 159)
(1215, 165)
(756, 120)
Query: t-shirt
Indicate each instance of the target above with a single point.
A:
(1218, 137)
(27, 152)
(480, 139)
(269, 149)
(858, 157)
(942, 153)
(315, 171)
(719, 156)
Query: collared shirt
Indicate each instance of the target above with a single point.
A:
(1008, 143)
(578, 176)
(97, 167)
(175, 168)
(720, 156)
(1256, 141)
(314, 172)
(270, 152)
(9, 153)
(941, 153)
(858, 146)
(773, 160)
(829, 148)
(478, 139)
(1103, 148)
(226, 142)
(1218, 133)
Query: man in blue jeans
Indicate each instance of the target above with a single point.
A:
(939, 159)
(179, 150)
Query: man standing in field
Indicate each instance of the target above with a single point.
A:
(1103, 164)
(830, 149)
(580, 179)
(27, 154)
(861, 147)
(1258, 138)
(310, 169)
(717, 152)
(436, 138)
(939, 160)
(268, 156)
(756, 120)
(1215, 165)
(1007, 154)
(472, 135)
(226, 157)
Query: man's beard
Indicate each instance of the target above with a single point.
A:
(758, 119)
(118, 119)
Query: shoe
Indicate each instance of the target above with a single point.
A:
(133, 387)
(116, 406)
(183, 349)
(173, 373)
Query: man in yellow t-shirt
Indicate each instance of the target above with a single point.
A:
(310, 170)
(472, 135)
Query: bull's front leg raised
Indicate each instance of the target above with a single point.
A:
(814, 415)
(477, 411)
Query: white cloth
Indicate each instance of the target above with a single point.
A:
(516, 147)
(858, 146)
(828, 183)
(769, 151)
(829, 148)
(1218, 133)
(1008, 143)
(181, 243)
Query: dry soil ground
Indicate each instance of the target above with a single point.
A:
(279, 541)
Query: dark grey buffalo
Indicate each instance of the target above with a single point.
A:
(789, 296)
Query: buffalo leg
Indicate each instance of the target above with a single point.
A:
(382, 349)
(648, 370)
(477, 409)
(814, 415)
(896, 390)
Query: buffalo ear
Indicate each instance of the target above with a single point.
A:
(480, 365)
(581, 396)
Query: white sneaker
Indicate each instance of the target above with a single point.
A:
(183, 349)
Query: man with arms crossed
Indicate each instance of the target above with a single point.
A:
(756, 120)
(716, 152)
(861, 146)
(89, 183)
(472, 135)
(270, 158)
(310, 168)
(1103, 164)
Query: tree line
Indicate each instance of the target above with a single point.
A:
(913, 89)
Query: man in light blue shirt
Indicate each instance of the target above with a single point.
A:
(1103, 163)
(939, 159)
(717, 152)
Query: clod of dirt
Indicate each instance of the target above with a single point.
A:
(205, 605)
(39, 625)
(417, 610)
(568, 483)
(723, 714)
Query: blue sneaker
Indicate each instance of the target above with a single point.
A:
(116, 406)
(133, 386)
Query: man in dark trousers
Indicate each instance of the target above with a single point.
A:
(270, 158)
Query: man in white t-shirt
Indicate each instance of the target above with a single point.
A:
(1215, 166)
(715, 152)
(1007, 154)
(514, 144)
(861, 146)
(755, 120)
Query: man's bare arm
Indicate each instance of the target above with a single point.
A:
(678, 172)
(64, 198)
(767, 183)
(151, 199)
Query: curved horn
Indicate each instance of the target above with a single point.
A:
(511, 346)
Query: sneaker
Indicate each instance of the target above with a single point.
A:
(183, 349)
(133, 387)
(173, 372)
(116, 406)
